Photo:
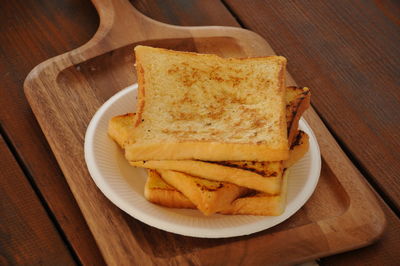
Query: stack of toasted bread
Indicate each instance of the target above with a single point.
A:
(216, 134)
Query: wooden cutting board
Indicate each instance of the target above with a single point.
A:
(65, 92)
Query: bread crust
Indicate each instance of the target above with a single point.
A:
(298, 149)
(160, 193)
(216, 172)
(120, 128)
(258, 204)
(261, 203)
(298, 107)
(141, 93)
(209, 197)
(211, 151)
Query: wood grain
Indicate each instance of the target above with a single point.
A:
(80, 82)
(37, 26)
(29, 34)
(353, 72)
(28, 236)
(187, 12)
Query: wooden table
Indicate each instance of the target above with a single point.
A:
(347, 49)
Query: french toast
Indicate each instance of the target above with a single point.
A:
(204, 107)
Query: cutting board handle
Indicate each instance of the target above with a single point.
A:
(122, 24)
(121, 17)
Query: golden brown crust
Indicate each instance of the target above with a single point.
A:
(120, 128)
(282, 126)
(208, 196)
(295, 109)
(141, 93)
(210, 151)
(160, 193)
(212, 55)
(298, 149)
(264, 169)
(221, 173)
(260, 203)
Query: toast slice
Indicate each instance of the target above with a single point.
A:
(120, 128)
(298, 149)
(208, 196)
(203, 107)
(157, 191)
(262, 176)
(260, 203)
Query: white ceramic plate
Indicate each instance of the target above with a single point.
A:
(124, 184)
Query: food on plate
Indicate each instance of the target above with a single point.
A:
(189, 150)
(212, 196)
(263, 176)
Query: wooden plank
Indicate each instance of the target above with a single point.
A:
(347, 52)
(27, 234)
(31, 33)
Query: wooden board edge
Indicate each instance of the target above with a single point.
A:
(78, 55)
